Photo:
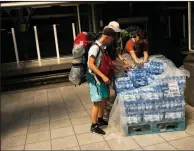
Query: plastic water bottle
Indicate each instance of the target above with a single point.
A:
(163, 105)
(139, 108)
(157, 106)
(132, 108)
(142, 107)
(167, 105)
(119, 88)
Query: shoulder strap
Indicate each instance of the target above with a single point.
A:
(95, 76)
(100, 49)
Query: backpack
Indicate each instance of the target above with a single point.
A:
(127, 34)
(81, 45)
(105, 65)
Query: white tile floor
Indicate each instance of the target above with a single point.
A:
(60, 118)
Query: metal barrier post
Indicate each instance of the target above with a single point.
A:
(189, 64)
(146, 27)
(189, 26)
(73, 28)
(37, 45)
(169, 27)
(93, 19)
(184, 35)
(78, 17)
(15, 46)
(56, 43)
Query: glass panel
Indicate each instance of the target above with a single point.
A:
(46, 41)
(67, 16)
(141, 25)
(65, 35)
(26, 44)
(84, 22)
(65, 38)
(192, 25)
(7, 47)
(164, 27)
(176, 28)
(85, 16)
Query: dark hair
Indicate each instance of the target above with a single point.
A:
(140, 34)
(109, 32)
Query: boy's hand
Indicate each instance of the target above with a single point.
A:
(140, 63)
(116, 70)
(105, 79)
(127, 64)
(137, 62)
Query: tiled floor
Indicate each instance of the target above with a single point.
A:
(60, 118)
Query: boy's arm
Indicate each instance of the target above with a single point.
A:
(145, 53)
(123, 60)
(133, 55)
(120, 57)
(145, 56)
(117, 64)
(96, 70)
(130, 48)
(114, 61)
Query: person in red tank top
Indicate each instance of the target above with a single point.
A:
(137, 47)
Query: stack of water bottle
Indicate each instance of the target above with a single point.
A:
(139, 76)
(152, 93)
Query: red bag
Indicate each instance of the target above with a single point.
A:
(106, 65)
(81, 38)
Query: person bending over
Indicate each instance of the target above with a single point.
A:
(137, 47)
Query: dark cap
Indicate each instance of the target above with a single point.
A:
(108, 31)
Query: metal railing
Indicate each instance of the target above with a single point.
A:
(38, 48)
(189, 26)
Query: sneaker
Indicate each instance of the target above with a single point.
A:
(102, 123)
(96, 129)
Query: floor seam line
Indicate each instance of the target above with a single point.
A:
(75, 135)
(29, 123)
(49, 118)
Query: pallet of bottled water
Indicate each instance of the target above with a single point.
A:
(151, 98)
(146, 108)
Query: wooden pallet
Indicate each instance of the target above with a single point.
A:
(155, 128)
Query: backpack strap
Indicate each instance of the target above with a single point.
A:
(98, 50)
(95, 77)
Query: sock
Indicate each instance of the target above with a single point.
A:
(93, 125)
(100, 119)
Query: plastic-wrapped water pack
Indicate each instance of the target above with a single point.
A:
(149, 94)
(157, 67)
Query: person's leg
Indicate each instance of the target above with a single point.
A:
(102, 108)
(106, 105)
(96, 98)
(95, 111)
(104, 92)
(110, 101)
